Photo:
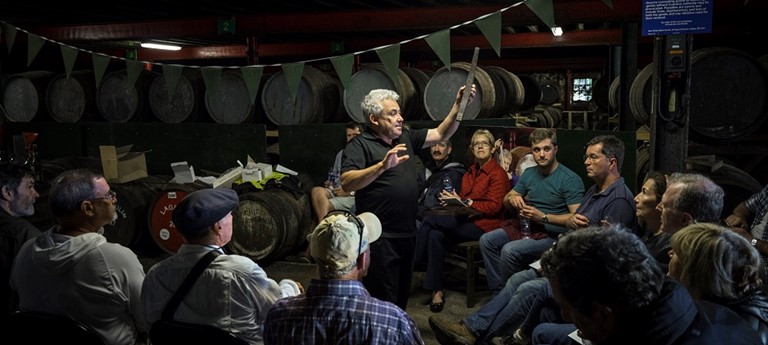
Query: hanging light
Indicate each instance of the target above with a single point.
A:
(160, 46)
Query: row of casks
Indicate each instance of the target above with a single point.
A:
(320, 97)
(728, 94)
(267, 224)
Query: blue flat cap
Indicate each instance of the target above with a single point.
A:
(203, 208)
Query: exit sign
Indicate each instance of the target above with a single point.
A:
(226, 25)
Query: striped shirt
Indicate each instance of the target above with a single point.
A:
(336, 312)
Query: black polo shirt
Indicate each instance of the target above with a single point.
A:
(393, 196)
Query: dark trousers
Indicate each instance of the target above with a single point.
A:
(389, 275)
(435, 234)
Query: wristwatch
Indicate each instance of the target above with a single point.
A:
(544, 219)
(754, 242)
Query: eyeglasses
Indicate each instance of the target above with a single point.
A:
(592, 157)
(111, 196)
(480, 144)
(354, 220)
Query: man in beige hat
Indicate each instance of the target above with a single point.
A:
(337, 308)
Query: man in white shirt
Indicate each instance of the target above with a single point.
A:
(233, 293)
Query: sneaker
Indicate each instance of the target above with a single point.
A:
(451, 333)
(517, 339)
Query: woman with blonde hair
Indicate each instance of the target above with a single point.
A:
(718, 265)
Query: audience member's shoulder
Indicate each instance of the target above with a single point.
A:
(566, 171)
(716, 324)
(235, 263)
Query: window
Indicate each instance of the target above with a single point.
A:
(582, 90)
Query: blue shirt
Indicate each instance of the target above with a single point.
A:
(552, 193)
(338, 312)
(616, 202)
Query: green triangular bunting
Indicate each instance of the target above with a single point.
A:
(390, 57)
(440, 42)
(544, 10)
(343, 65)
(34, 44)
(252, 77)
(100, 63)
(132, 71)
(293, 72)
(10, 35)
(211, 76)
(171, 74)
(69, 55)
(610, 3)
(490, 26)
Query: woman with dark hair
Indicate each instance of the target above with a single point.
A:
(649, 216)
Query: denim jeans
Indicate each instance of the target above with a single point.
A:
(553, 334)
(505, 311)
(503, 258)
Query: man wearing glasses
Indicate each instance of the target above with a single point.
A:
(71, 270)
(609, 200)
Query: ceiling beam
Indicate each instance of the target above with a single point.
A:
(337, 22)
(323, 48)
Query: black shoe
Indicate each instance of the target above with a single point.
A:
(437, 307)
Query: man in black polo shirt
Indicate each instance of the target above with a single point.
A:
(377, 166)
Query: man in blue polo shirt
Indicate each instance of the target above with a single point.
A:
(608, 201)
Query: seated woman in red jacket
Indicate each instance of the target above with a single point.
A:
(483, 187)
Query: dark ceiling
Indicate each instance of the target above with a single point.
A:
(280, 31)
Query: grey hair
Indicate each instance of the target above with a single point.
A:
(70, 189)
(372, 102)
(326, 271)
(699, 196)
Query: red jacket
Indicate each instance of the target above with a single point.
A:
(486, 186)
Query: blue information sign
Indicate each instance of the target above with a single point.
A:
(677, 17)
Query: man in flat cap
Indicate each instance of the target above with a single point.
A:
(233, 293)
(337, 308)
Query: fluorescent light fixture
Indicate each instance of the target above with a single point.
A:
(557, 31)
(160, 46)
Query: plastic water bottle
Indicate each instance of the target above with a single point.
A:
(525, 226)
(333, 179)
(447, 184)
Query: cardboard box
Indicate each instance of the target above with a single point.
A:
(228, 178)
(182, 172)
(121, 165)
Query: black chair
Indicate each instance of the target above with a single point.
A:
(41, 328)
(165, 332)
